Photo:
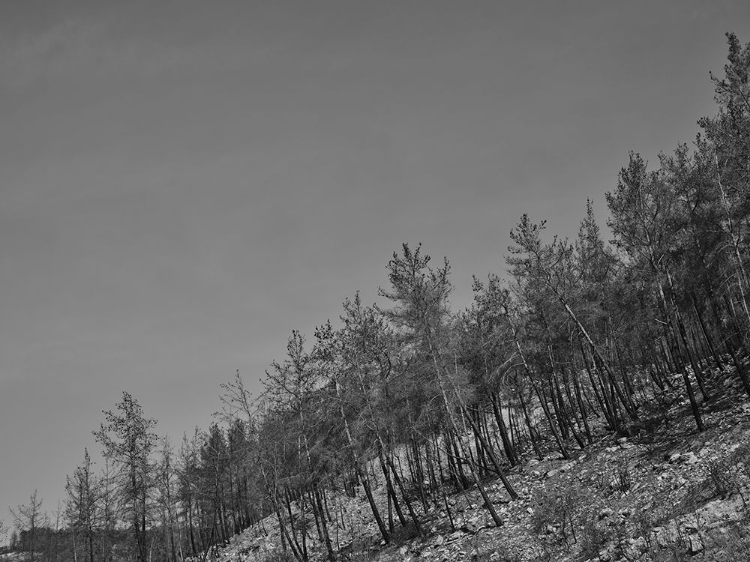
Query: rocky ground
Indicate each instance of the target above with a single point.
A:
(665, 493)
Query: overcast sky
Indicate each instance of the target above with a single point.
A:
(183, 183)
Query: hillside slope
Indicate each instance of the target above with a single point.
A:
(665, 493)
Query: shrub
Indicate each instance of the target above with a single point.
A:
(556, 512)
(404, 533)
(593, 537)
(723, 478)
(623, 481)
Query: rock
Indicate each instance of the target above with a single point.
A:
(695, 544)
(689, 458)
(604, 513)
(673, 457)
(455, 535)
(634, 548)
(720, 512)
(440, 540)
(665, 536)
(551, 473)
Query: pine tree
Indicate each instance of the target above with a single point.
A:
(82, 509)
(127, 439)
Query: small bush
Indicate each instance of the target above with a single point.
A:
(723, 478)
(593, 537)
(402, 534)
(619, 480)
(556, 513)
(623, 481)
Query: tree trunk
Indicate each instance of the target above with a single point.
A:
(507, 445)
(530, 427)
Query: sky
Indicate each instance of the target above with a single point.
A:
(183, 183)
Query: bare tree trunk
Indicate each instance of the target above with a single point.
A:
(530, 427)
(542, 401)
(507, 445)
(365, 480)
(443, 391)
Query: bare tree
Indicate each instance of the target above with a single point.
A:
(28, 519)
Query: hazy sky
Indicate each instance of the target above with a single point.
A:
(183, 183)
